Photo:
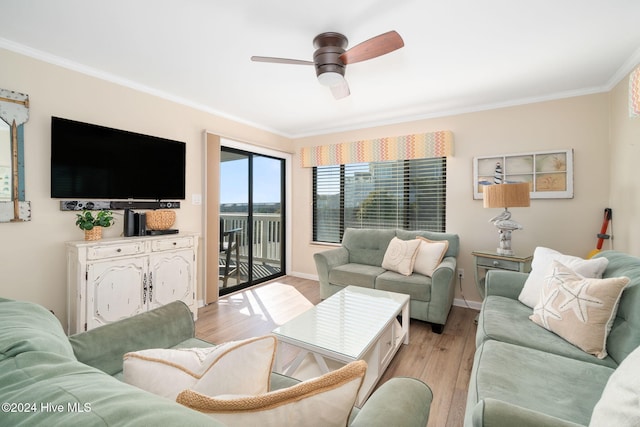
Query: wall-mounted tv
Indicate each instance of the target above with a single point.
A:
(97, 162)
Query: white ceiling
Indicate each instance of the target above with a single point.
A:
(459, 55)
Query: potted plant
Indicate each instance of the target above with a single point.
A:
(92, 225)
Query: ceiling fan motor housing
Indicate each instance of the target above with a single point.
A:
(329, 47)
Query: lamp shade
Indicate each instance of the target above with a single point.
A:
(506, 195)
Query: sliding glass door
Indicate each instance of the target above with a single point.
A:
(252, 244)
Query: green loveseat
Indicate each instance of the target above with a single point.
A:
(526, 376)
(358, 262)
(49, 379)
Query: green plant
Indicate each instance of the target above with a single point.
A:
(86, 220)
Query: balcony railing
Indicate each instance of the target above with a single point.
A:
(267, 236)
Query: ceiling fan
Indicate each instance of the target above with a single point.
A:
(331, 58)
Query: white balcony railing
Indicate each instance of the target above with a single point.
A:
(267, 236)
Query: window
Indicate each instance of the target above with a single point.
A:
(407, 194)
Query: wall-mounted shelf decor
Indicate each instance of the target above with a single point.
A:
(549, 173)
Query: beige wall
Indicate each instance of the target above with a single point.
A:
(568, 225)
(625, 185)
(32, 254)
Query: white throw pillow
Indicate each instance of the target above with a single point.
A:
(319, 402)
(429, 256)
(619, 404)
(541, 264)
(237, 367)
(401, 255)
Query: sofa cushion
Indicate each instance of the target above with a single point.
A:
(620, 402)
(104, 347)
(454, 240)
(401, 255)
(322, 401)
(536, 380)
(367, 246)
(30, 327)
(579, 309)
(355, 274)
(541, 264)
(417, 286)
(237, 367)
(507, 320)
(89, 397)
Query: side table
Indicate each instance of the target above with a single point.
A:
(487, 260)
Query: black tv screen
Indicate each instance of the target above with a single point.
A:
(91, 161)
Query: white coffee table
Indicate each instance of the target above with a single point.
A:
(353, 324)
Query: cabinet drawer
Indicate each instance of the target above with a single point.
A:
(499, 263)
(168, 244)
(110, 251)
(387, 344)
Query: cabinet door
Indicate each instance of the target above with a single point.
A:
(115, 290)
(172, 277)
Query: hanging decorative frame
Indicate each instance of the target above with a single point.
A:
(549, 173)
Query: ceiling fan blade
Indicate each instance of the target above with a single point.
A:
(340, 90)
(372, 48)
(281, 60)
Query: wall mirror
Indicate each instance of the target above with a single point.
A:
(14, 112)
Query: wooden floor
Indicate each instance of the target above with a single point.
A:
(443, 361)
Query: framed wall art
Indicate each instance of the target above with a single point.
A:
(549, 173)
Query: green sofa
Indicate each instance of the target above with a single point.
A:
(524, 375)
(358, 262)
(47, 378)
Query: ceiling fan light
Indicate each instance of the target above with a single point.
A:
(330, 78)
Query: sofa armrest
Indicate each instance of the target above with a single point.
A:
(162, 327)
(504, 283)
(497, 413)
(399, 402)
(326, 260)
(442, 290)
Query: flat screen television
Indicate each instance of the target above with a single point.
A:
(97, 162)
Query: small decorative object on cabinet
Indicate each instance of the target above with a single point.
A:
(117, 278)
(487, 260)
(92, 225)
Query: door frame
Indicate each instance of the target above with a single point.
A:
(213, 143)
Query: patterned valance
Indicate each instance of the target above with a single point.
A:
(634, 93)
(416, 146)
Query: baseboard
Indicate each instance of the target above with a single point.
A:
(474, 305)
(303, 275)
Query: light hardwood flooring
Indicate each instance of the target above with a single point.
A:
(443, 361)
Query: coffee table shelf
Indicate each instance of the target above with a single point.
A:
(353, 324)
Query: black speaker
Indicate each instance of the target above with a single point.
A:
(129, 223)
(140, 224)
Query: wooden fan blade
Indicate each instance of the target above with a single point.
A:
(340, 90)
(372, 48)
(281, 60)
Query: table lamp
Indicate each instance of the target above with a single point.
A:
(506, 196)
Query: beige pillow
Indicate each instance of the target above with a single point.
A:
(401, 255)
(579, 309)
(237, 367)
(322, 401)
(429, 255)
(541, 263)
(619, 404)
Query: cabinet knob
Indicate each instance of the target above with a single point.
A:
(496, 263)
(175, 243)
(119, 250)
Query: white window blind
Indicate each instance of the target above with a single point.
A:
(406, 194)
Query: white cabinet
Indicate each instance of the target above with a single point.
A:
(112, 279)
